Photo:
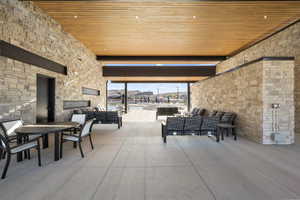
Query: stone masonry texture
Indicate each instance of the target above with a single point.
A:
(239, 91)
(27, 26)
(284, 43)
(250, 91)
(278, 87)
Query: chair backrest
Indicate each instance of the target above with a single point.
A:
(79, 118)
(100, 116)
(87, 127)
(112, 115)
(195, 110)
(228, 117)
(210, 123)
(10, 126)
(175, 123)
(167, 110)
(212, 113)
(193, 123)
(219, 114)
(199, 112)
(100, 108)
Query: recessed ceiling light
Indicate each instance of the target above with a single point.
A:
(265, 17)
(75, 16)
(194, 17)
(136, 17)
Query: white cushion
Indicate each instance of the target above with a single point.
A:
(71, 138)
(11, 126)
(79, 118)
(24, 147)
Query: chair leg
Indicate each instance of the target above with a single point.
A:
(75, 143)
(6, 166)
(91, 141)
(222, 130)
(218, 135)
(61, 146)
(234, 133)
(28, 154)
(227, 132)
(39, 153)
(80, 148)
(165, 136)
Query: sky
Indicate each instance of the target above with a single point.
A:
(163, 87)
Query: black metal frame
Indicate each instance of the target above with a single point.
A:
(217, 132)
(5, 130)
(166, 111)
(62, 140)
(126, 98)
(7, 149)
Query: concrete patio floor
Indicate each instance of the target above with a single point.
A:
(133, 164)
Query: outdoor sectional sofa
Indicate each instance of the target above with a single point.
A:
(166, 111)
(198, 125)
(103, 117)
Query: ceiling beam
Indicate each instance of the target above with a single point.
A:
(171, 71)
(160, 58)
(156, 79)
(17, 53)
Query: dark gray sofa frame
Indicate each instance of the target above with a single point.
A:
(166, 111)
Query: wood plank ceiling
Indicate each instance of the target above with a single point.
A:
(170, 28)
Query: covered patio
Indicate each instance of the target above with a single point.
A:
(133, 163)
(238, 62)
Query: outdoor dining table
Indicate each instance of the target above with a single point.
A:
(55, 128)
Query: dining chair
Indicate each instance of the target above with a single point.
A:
(79, 118)
(7, 147)
(8, 127)
(85, 131)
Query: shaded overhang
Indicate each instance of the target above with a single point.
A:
(158, 72)
(106, 60)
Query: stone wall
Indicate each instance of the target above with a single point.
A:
(239, 91)
(26, 26)
(250, 92)
(278, 88)
(284, 43)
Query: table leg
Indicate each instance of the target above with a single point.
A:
(20, 154)
(45, 141)
(222, 130)
(234, 133)
(218, 135)
(56, 146)
(75, 143)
